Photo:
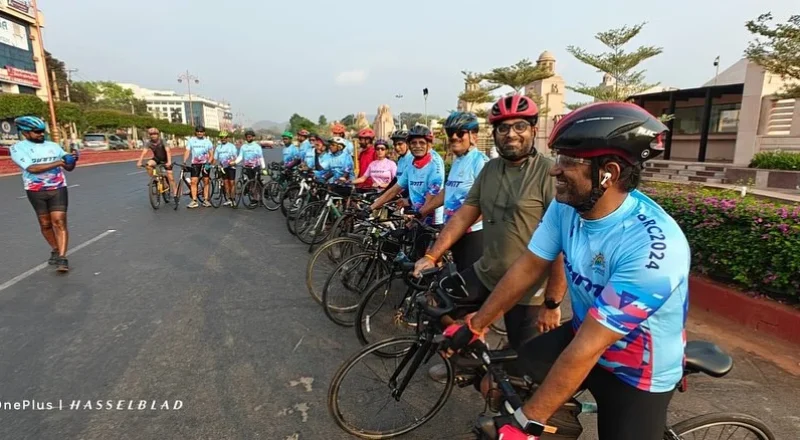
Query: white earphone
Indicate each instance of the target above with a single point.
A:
(606, 178)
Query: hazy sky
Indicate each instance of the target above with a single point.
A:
(274, 58)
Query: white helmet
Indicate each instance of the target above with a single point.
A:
(339, 140)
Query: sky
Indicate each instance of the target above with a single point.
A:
(273, 58)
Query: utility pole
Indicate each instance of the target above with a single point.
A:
(399, 97)
(69, 81)
(54, 130)
(188, 77)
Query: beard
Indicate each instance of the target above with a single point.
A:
(578, 195)
(514, 153)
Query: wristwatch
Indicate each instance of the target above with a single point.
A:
(551, 304)
(528, 426)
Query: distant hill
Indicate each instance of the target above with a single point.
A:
(269, 125)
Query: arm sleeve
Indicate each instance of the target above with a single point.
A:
(239, 155)
(546, 240)
(403, 180)
(635, 291)
(436, 177)
(20, 157)
(474, 195)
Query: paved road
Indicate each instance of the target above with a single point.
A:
(208, 307)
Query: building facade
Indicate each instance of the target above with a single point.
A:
(184, 109)
(21, 61)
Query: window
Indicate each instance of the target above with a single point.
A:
(724, 119)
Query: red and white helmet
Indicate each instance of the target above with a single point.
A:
(366, 133)
(514, 106)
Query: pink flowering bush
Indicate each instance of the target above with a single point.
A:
(747, 241)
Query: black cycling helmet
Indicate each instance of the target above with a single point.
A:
(399, 135)
(619, 128)
(461, 121)
(199, 129)
(422, 131)
(249, 132)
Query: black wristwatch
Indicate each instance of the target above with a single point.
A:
(528, 426)
(551, 304)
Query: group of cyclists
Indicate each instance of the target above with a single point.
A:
(527, 233)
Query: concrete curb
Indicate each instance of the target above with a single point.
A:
(761, 315)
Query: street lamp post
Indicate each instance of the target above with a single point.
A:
(399, 97)
(189, 78)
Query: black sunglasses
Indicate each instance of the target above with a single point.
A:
(451, 131)
(38, 131)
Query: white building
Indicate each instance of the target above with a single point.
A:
(194, 110)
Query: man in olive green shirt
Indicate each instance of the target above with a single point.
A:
(511, 193)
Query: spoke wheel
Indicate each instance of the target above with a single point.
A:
(721, 426)
(344, 289)
(153, 194)
(325, 260)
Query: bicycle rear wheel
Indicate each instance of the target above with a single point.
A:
(386, 310)
(288, 198)
(365, 373)
(167, 194)
(251, 194)
(217, 192)
(178, 190)
(310, 224)
(153, 194)
(721, 426)
(346, 286)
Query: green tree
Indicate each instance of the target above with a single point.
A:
(348, 120)
(617, 63)
(476, 93)
(56, 65)
(107, 95)
(517, 76)
(13, 106)
(68, 113)
(322, 121)
(297, 123)
(779, 50)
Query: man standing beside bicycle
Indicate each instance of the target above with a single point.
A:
(251, 156)
(200, 149)
(511, 195)
(161, 156)
(225, 156)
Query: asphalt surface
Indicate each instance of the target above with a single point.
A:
(208, 307)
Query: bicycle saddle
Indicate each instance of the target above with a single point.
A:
(706, 357)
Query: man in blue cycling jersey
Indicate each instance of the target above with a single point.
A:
(339, 166)
(423, 178)
(317, 158)
(291, 154)
(462, 132)
(627, 262)
(42, 164)
(401, 148)
(225, 156)
(303, 143)
(201, 151)
(339, 130)
(251, 156)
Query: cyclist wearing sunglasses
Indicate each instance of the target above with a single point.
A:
(462, 132)
(42, 175)
(423, 178)
(382, 171)
(161, 155)
(511, 195)
(628, 262)
(366, 155)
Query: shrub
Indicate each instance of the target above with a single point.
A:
(776, 160)
(746, 241)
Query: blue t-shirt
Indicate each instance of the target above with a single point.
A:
(402, 163)
(630, 272)
(324, 158)
(26, 153)
(290, 153)
(304, 147)
(463, 172)
(224, 154)
(340, 164)
(422, 182)
(251, 155)
(200, 150)
(348, 147)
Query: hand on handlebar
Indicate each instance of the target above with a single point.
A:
(422, 264)
(460, 336)
(511, 432)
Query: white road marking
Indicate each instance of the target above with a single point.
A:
(74, 186)
(32, 271)
(136, 172)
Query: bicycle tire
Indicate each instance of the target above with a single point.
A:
(250, 188)
(287, 198)
(323, 256)
(178, 190)
(341, 374)
(333, 311)
(167, 195)
(271, 192)
(363, 324)
(306, 228)
(755, 425)
(153, 194)
(217, 192)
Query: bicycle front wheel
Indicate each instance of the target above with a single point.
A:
(217, 192)
(346, 286)
(325, 260)
(361, 400)
(251, 194)
(154, 194)
(720, 426)
(386, 310)
(310, 224)
(272, 196)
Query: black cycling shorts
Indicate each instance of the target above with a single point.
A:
(468, 249)
(198, 169)
(230, 173)
(162, 163)
(45, 202)
(624, 412)
(251, 173)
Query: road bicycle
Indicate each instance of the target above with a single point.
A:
(218, 194)
(158, 188)
(184, 180)
(249, 188)
(388, 384)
